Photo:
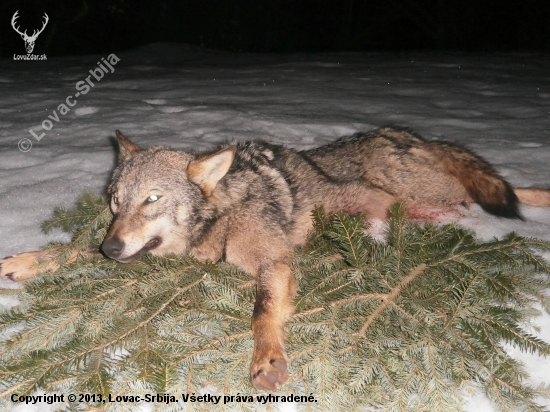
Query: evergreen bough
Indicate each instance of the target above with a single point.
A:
(408, 324)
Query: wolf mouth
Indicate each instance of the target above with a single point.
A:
(152, 244)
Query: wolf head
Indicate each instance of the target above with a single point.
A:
(159, 198)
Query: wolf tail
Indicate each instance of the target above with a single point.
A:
(484, 185)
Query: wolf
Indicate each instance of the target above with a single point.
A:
(250, 204)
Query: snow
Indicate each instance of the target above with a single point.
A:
(176, 95)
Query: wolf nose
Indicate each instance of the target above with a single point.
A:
(112, 247)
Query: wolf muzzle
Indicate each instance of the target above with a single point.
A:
(114, 247)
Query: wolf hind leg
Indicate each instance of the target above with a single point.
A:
(533, 196)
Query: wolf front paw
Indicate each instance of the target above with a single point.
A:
(267, 371)
(21, 266)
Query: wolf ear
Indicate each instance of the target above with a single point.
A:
(125, 147)
(207, 170)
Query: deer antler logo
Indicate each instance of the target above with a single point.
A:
(29, 40)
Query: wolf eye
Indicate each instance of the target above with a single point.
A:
(152, 198)
(115, 199)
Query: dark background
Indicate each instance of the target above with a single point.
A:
(87, 26)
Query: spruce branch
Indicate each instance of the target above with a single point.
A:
(401, 325)
(389, 298)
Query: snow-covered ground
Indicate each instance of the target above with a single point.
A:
(187, 98)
